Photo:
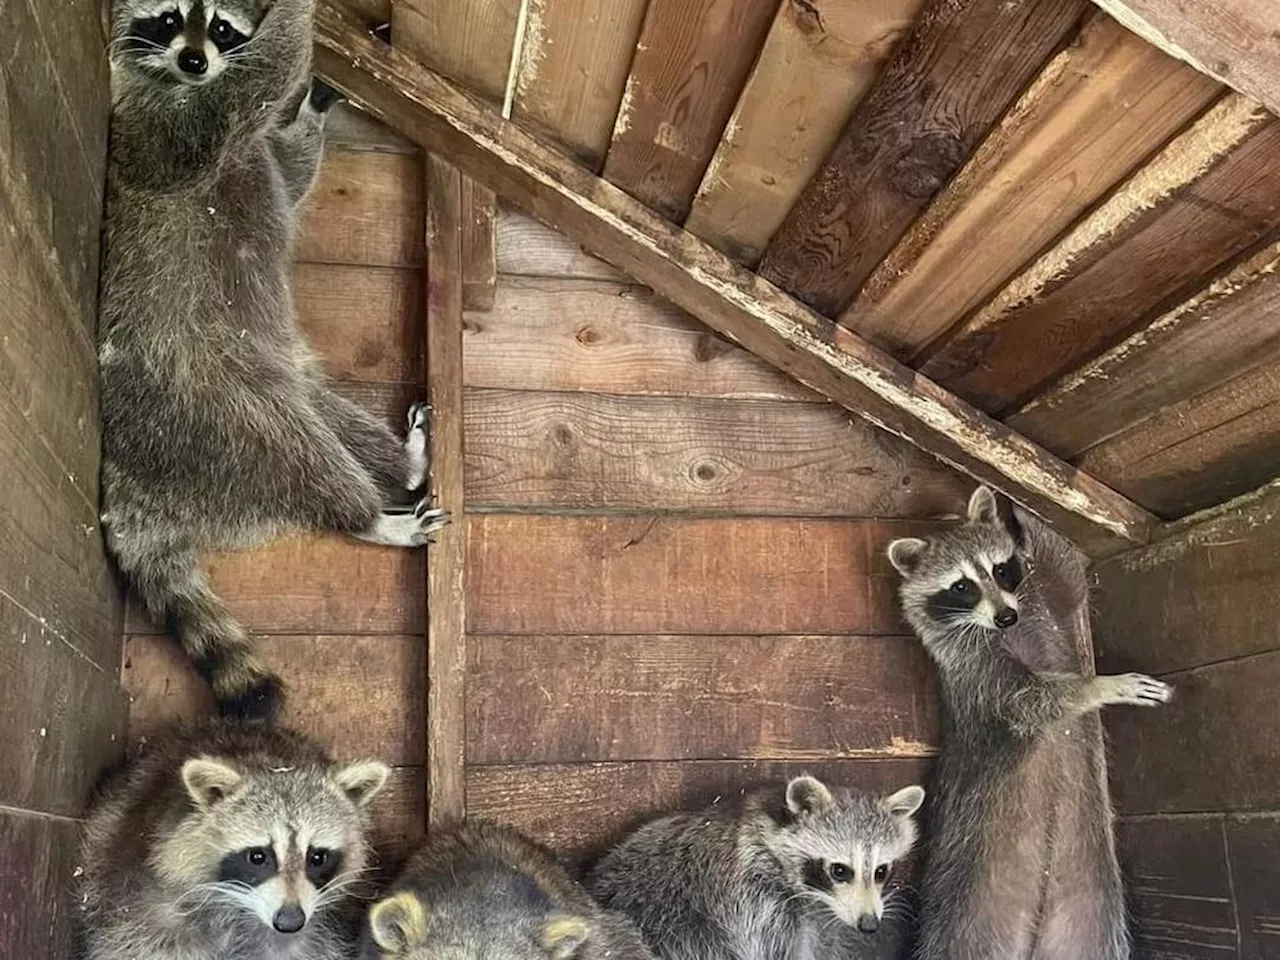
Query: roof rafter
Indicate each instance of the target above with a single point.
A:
(811, 348)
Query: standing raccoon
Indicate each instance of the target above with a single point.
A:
(1021, 858)
(225, 841)
(764, 882)
(484, 892)
(219, 431)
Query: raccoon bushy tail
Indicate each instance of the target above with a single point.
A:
(176, 593)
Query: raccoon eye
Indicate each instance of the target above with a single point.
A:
(882, 873)
(257, 856)
(963, 587)
(841, 872)
(317, 858)
(170, 20)
(220, 30)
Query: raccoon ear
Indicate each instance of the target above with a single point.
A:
(905, 802)
(983, 507)
(808, 795)
(563, 935)
(399, 923)
(905, 554)
(362, 780)
(209, 780)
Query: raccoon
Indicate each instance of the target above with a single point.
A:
(227, 841)
(1021, 860)
(763, 881)
(219, 431)
(484, 891)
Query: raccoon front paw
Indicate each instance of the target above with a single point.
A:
(415, 445)
(1136, 689)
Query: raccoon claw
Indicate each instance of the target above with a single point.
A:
(1137, 689)
(433, 519)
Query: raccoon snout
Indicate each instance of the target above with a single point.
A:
(193, 62)
(289, 919)
(1006, 617)
(868, 923)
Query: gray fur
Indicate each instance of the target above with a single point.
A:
(219, 430)
(484, 892)
(1021, 860)
(154, 884)
(737, 882)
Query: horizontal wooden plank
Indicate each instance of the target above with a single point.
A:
(350, 128)
(1221, 716)
(37, 867)
(391, 401)
(360, 696)
(527, 248)
(1253, 844)
(365, 322)
(584, 808)
(1202, 596)
(631, 575)
(62, 717)
(1097, 111)
(366, 209)
(608, 338)
(574, 699)
(321, 583)
(1180, 896)
(744, 457)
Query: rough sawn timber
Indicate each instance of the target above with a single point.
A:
(699, 279)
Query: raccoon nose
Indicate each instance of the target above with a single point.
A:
(868, 923)
(289, 918)
(1007, 617)
(193, 62)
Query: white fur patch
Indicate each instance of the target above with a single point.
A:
(238, 23)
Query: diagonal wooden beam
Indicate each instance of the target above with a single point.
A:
(705, 283)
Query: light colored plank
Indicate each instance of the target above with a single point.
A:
(717, 291)
(608, 338)
(468, 42)
(688, 72)
(1097, 111)
(527, 248)
(531, 450)
(816, 66)
(349, 128)
(479, 246)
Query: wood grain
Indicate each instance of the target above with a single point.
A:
(350, 128)
(446, 582)
(527, 248)
(609, 338)
(467, 42)
(479, 246)
(584, 808)
(635, 575)
(816, 65)
(1210, 196)
(366, 322)
(1095, 113)
(530, 450)
(1253, 844)
(721, 294)
(689, 68)
(574, 66)
(359, 696)
(575, 699)
(939, 95)
(1230, 327)
(399, 820)
(37, 866)
(366, 209)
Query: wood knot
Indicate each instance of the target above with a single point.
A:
(927, 166)
(705, 472)
(708, 346)
(807, 16)
(587, 336)
(561, 434)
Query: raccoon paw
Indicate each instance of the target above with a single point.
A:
(415, 445)
(406, 526)
(1136, 689)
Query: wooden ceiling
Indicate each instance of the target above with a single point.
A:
(1024, 201)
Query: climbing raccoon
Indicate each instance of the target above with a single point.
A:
(219, 431)
(226, 842)
(1021, 860)
(483, 892)
(766, 881)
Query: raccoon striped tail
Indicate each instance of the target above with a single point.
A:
(175, 593)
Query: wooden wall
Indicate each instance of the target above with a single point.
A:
(1197, 782)
(62, 712)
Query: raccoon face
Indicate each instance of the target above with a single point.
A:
(841, 846)
(184, 41)
(964, 578)
(278, 845)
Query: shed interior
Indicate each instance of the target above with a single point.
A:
(863, 251)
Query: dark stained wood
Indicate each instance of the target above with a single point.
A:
(710, 286)
(633, 575)
(37, 871)
(608, 338)
(1216, 746)
(943, 89)
(690, 65)
(446, 568)
(366, 208)
(1253, 844)
(1228, 328)
(479, 245)
(584, 808)
(746, 457)
(366, 322)
(527, 248)
(360, 696)
(574, 699)
(1222, 205)
(1180, 896)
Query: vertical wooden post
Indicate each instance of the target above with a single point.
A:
(446, 560)
(479, 246)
